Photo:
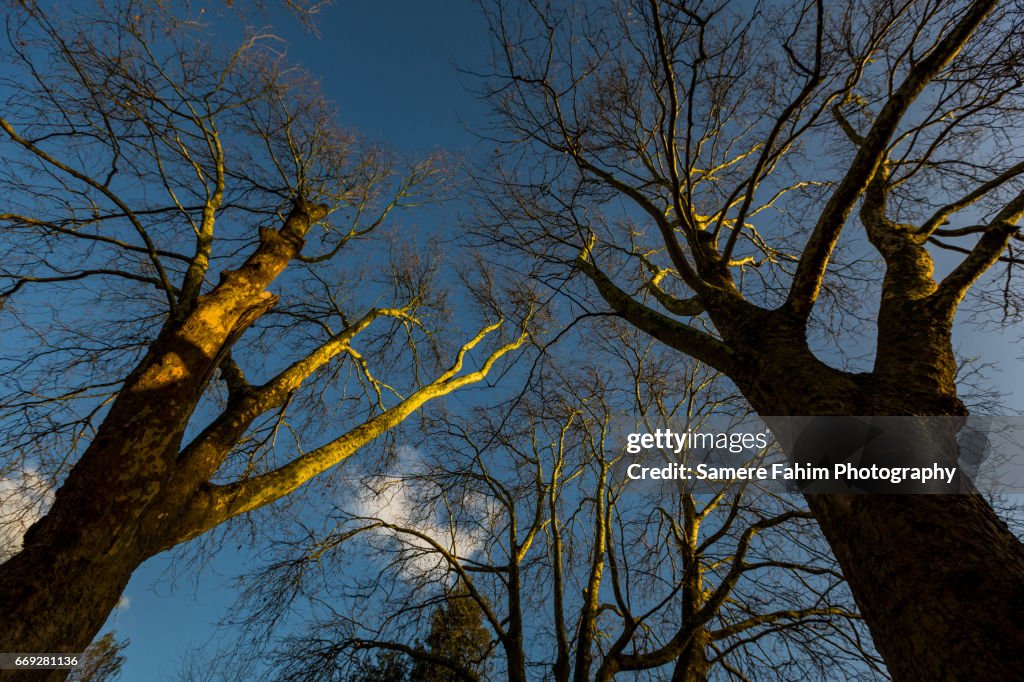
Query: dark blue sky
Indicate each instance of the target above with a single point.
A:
(389, 68)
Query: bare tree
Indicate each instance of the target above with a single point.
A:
(581, 573)
(700, 166)
(174, 213)
(102, 661)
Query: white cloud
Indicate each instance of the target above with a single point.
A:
(23, 500)
(124, 603)
(393, 500)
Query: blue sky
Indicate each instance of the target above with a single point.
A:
(389, 68)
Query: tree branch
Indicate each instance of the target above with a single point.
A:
(984, 254)
(680, 336)
(814, 260)
(217, 503)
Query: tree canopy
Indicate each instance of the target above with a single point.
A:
(208, 310)
(763, 186)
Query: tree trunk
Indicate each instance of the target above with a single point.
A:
(76, 561)
(692, 664)
(515, 651)
(71, 579)
(516, 663)
(938, 578)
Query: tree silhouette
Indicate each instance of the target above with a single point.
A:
(387, 666)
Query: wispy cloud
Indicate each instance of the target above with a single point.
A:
(24, 499)
(394, 501)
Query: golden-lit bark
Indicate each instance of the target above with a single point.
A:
(148, 157)
(134, 492)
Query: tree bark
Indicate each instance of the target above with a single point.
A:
(76, 561)
(938, 578)
(71, 579)
(692, 664)
(514, 650)
(950, 608)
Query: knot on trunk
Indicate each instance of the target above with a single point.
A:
(302, 217)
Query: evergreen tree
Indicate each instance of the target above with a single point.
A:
(458, 634)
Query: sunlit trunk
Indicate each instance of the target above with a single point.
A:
(75, 561)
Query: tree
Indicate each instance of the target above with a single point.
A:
(175, 213)
(761, 186)
(457, 634)
(570, 570)
(388, 666)
(102, 661)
